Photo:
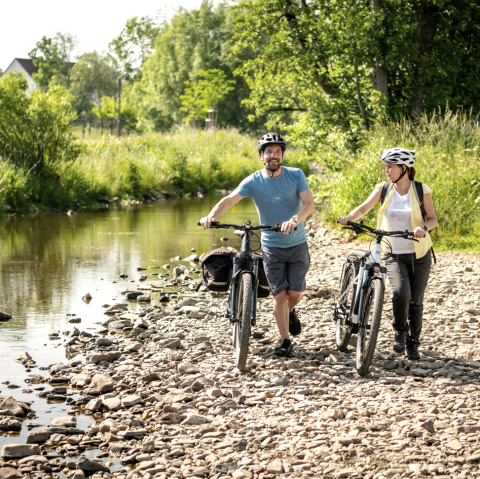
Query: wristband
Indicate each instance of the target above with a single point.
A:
(425, 227)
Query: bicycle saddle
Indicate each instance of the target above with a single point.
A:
(360, 253)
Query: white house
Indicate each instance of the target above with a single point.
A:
(25, 66)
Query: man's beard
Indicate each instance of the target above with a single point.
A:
(273, 166)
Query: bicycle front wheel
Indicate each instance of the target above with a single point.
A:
(243, 326)
(343, 332)
(368, 331)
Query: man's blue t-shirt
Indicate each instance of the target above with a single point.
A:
(277, 200)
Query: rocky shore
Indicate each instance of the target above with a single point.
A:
(168, 402)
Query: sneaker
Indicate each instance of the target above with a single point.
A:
(399, 342)
(294, 324)
(284, 348)
(412, 352)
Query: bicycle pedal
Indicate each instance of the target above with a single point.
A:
(258, 335)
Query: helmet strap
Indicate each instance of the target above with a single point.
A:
(401, 176)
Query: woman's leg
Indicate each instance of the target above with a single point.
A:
(397, 273)
(418, 273)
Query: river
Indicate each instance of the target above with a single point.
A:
(50, 261)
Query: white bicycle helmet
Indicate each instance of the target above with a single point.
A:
(399, 156)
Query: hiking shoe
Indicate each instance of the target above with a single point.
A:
(399, 342)
(294, 324)
(412, 352)
(284, 348)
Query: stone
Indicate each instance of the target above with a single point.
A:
(214, 392)
(103, 383)
(390, 365)
(283, 381)
(9, 473)
(17, 451)
(187, 368)
(194, 420)
(88, 466)
(455, 445)
(129, 401)
(93, 405)
(38, 437)
(23, 356)
(69, 421)
(112, 404)
(87, 297)
(171, 343)
(242, 474)
(107, 357)
(13, 406)
(275, 467)
(10, 424)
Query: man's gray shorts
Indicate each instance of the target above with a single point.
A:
(286, 268)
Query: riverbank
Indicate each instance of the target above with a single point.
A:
(160, 385)
(135, 169)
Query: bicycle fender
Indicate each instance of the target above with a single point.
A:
(245, 271)
(369, 280)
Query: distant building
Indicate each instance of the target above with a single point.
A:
(25, 66)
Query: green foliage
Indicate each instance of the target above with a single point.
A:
(35, 130)
(174, 164)
(93, 77)
(448, 160)
(192, 40)
(200, 96)
(338, 66)
(106, 109)
(53, 57)
(132, 47)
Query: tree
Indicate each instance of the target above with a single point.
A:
(93, 77)
(54, 58)
(132, 47)
(106, 108)
(36, 131)
(202, 95)
(340, 65)
(192, 40)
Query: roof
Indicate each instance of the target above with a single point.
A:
(27, 63)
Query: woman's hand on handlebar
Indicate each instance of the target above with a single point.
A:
(343, 220)
(419, 232)
(207, 221)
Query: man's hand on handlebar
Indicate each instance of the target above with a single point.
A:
(288, 227)
(207, 221)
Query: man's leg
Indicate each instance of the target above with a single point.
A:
(294, 297)
(281, 311)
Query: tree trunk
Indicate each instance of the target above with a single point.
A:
(380, 72)
(427, 23)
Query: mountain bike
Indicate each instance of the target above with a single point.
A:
(242, 301)
(361, 289)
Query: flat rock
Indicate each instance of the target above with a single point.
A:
(187, 368)
(9, 473)
(112, 404)
(17, 451)
(129, 401)
(69, 421)
(103, 383)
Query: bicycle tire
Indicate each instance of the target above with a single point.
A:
(367, 337)
(244, 325)
(342, 332)
(239, 305)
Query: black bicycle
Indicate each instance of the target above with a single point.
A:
(361, 290)
(242, 301)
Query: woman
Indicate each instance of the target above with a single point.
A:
(408, 263)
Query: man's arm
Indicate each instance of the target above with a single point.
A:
(307, 208)
(220, 208)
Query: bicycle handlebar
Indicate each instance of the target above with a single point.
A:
(358, 227)
(217, 225)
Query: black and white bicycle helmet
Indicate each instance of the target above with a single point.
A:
(271, 139)
(399, 156)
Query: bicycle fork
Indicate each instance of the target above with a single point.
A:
(237, 276)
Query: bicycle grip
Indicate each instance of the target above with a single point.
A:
(198, 223)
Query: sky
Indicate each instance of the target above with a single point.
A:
(94, 23)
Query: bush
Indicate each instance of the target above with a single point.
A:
(448, 160)
(36, 134)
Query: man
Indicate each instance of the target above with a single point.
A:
(278, 192)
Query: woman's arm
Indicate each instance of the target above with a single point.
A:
(431, 218)
(363, 209)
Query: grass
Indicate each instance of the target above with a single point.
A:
(448, 160)
(173, 164)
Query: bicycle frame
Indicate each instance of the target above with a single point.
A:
(242, 264)
(362, 280)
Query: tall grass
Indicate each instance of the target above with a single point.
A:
(448, 160)
(178, 163)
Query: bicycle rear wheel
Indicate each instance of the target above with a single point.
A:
(243, 326)
(368, 331)
(343, 332)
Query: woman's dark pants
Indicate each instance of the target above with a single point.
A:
(408, 278)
